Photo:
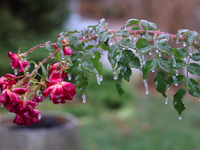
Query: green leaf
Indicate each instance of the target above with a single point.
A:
(178, 98)
(103, 36)
(132, 22)
(141, 42)
(145, 23)
(74, 67)
(128, 58)
(181, 31)
(164, 48)
(81, 80)
(161, 83)
(181, 52)
(163, 36)
(97, 63)
(149, 66)
(112, 53)
(144, 49)
(153, 26)
(165, 64)
(48, 47)
(135, 28)
(198, 44)
(195, 56)
(193, 87)
(75, 43)
(97, 27)
(147, 37)
(88, 65)
(44, 71)
(89, 47)
(193, 68)
(190, 37)
(179, 63)
(122, 33)
(126, 43)
(119, 85)
(126, 72)
(180, 79)
(104, 47)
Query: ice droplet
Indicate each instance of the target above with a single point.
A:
(153, 71)
(190, 50)
(146, 86)
(15, 71)
(147, 32)
(8, 112)
(115, 73)
(180, 117)
(110, 43)
(93, 56)
(156, 51)
(125, 27)
(69, 77)
(1, 104)
(185, 58)
(184, 43)
(39, 116)
(166, 100)
(159, 54)
(150, 53)
(62, 54)
(84, 98)
(175, 80)
(177, 41)
(199, 101)
(174, 61)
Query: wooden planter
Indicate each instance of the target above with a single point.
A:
(54, 132)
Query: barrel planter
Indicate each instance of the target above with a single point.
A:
(55, 131)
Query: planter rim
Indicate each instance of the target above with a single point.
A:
(72, 122)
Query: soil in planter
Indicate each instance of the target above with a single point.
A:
(45, 123)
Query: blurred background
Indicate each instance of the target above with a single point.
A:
(108, 121)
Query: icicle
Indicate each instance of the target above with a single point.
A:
(135, 37)
(143, 59)
(101, 78)
(51, 55)
(199, 101)
(184, 43)
(98, 78)
(15, 71)
(69, 77)
(177, 72)
(153, 71)
(180, 117)
(174, 61)
(177, 41)
(146, 86)
(166, 100)
(62, 54)
(175, 80)
(84, 98)
(125, 27)
(190, 50)
(159, 54)
(150, 53)
(110, 42)
(39, 116)
(115, 73)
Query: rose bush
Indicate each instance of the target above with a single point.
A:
(126, 49)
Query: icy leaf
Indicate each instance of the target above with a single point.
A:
(177, 102)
